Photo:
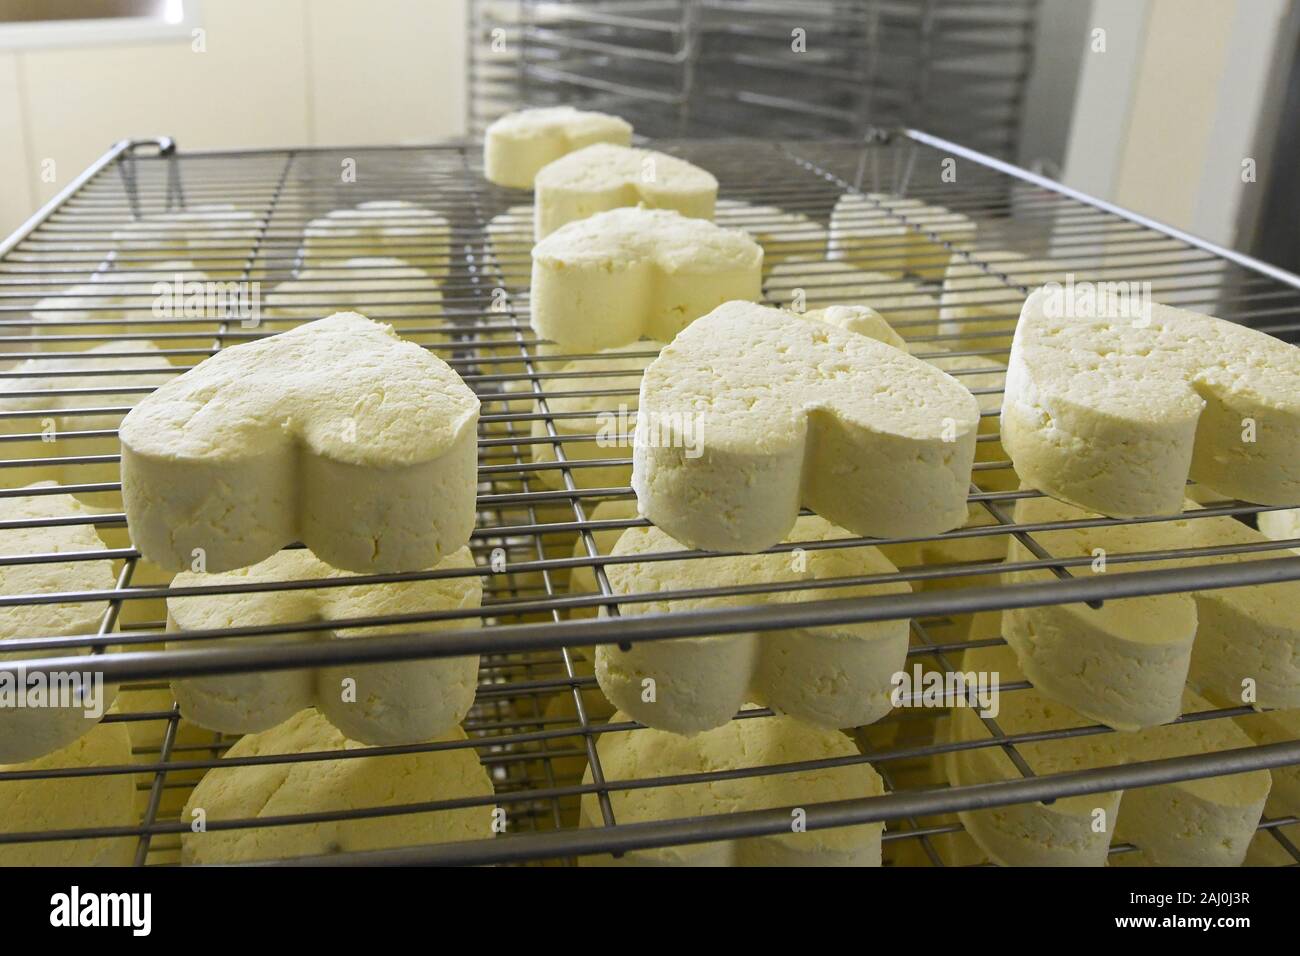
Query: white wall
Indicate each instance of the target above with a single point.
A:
(1164, 117)
(275, 73)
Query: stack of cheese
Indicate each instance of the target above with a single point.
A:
(57, 731)
(207, 463)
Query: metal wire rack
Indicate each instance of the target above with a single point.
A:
(809, 68)
(534, 724)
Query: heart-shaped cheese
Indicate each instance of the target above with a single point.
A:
(1205, 822)
(832, 676)
(591, 411)
(1113, 411)
(385, 704)
(801, 286)
(108, 365)
(519, 144)
(741, 744)
(378, 229)
(174, 301)
(752, 413)
(334, 786)
(1124, 664)
(883, 232)
(637, 273)
(604, 176)
(27, 732)
(388, 289)
(337, 434)
(784, 236)
(220, 237)
(981, 297)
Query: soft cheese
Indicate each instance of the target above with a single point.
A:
(806, 285)
(1206, 822)
(135, 367)
(30, 732)
(397, 703)
(752, 412)
(176, 303)
(740, 744)
(636, 272)
(784, 235)
(336, 433)
(981, 296)
(332, 786)
(384, 288)
(832, 676)
(592, 411)
(605, 176)
(1122, 664)
(220, 236)
(44, 804)
(516, 146)
(378, 229)
(1113, 412)
(880, 231)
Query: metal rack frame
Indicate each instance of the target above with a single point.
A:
(529, 645)
(687, 68)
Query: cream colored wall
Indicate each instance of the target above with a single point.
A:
(1164, 118)
(274, 73)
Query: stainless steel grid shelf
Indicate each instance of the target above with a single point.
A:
(532, 644)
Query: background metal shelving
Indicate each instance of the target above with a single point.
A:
(531, 646)
(710, 67)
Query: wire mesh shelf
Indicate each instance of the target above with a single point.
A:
(90, 261)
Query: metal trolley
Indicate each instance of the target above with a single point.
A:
(531, 642)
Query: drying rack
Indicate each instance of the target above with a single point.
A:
(531, 645)
(798, 68)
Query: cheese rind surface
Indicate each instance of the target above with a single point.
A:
(336, 433)
(605, 176)
(43, 804)
(36, 728)
(1112, 412)
(333, 785)
(752, 412)
(740, 744)
(516, 146)
(831, 676)
(395, 703)
(637, 273)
